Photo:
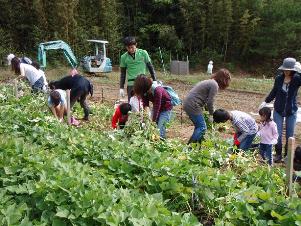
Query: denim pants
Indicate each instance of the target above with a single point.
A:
(38, 85)
(266, 152)
(290, 123)
(199, 128)
(246, 143)
(164, 118)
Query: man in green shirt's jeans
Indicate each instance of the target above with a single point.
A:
(133, 63)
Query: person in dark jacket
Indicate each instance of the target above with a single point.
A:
(284, 92)
(162, 106)
(80, 88)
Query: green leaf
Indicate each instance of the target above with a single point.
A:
(151, 211)
(62, 212)
(277, 215)
(58, 222)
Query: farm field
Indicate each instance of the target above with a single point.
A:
(53, 174)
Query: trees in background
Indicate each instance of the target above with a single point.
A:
(239, 31)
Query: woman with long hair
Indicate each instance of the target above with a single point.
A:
(201, 95)
(32, 74)
(160, 98)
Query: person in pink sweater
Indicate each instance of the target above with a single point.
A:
(268, 134)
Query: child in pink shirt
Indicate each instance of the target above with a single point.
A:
(268, 134)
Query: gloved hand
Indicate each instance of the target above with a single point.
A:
(121, 92)
(263, 104)
(157, 82)
(236, 141)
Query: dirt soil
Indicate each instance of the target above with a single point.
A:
(228, 99)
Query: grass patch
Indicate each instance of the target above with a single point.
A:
(238, 83)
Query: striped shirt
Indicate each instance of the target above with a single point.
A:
(244, 124)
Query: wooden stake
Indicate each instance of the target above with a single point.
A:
(290, 165)
(68, 107)
(101, 95)
(16, 88)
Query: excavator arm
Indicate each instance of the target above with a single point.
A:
(56, 45)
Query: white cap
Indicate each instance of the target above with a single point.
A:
(9, 58)
(298, 67)
(210, 62)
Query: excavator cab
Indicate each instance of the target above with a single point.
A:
(98, 62)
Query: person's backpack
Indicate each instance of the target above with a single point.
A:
(175, 100)
(26, 60)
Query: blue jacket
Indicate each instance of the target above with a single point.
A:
(285, 103)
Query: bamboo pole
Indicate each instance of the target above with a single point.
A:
(290, 165)
(68, 107)
(16, 88)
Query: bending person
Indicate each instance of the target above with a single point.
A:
(245, 126)
(284, 92)
(159, 97)
(57, 103)
(80, 88)
(202, 95)
(34, 77)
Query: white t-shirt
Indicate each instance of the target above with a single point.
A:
(136, 104)
(63, 99)
(30, 72)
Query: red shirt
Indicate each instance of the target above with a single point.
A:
(118, 117)
(161, 102)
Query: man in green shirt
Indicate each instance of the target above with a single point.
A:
(133, 63)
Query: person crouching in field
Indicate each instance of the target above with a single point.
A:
(268, 134)
(160, 98)
(244, 125)
(57, 103)
(28, 71)
(120, 116)
(201, 95)
(80, 88)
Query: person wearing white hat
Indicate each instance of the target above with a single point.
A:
(285, 92)
(210, 67)
(24, 60)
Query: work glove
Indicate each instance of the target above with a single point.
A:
(263, 104)
(121, 92)
(210, 118)
(157, 83)
(236, 141)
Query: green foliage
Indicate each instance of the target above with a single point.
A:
(53, 174)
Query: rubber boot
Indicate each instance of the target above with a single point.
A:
(278, 157)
